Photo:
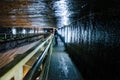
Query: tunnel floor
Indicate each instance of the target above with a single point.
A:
(61, 66)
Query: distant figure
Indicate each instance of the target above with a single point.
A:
(56, 37)
(56, 34)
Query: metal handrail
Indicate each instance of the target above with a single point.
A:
(37, 64)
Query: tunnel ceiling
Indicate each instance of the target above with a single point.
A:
(51, 13)
(26, 13)
(68, 11)
(39, 13)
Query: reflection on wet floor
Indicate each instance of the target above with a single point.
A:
(61, 66)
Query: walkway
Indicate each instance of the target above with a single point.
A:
(61, 66)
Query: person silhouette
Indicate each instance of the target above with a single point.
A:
(56, 37)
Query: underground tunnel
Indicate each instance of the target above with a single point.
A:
(89, 28)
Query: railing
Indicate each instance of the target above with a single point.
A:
(4, 36)
(14, 70)
(30, 75)
(8, 42)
